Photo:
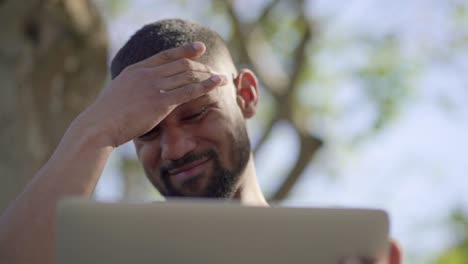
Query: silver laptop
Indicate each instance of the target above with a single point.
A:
(215, 232)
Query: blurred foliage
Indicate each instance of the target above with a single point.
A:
(116, 7)
(387, 79)
(458, 254)
(460, 15)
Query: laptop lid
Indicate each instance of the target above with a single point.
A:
(199, 232)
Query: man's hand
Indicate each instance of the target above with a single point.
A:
(137, 100)
(146, 92)
(393, 256)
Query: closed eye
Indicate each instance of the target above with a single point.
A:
(196, 116)
(150, 135)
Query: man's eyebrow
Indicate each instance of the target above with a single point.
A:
(204, 99)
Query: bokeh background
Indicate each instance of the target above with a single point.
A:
(362, 104)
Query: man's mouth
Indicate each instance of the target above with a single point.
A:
(188, 171)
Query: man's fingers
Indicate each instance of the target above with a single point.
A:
(192, 91)
(192, 50)
(183, 79)
(179, 66)
(395, 254)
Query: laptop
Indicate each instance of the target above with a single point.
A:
(196, 232)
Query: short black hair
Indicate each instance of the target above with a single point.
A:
(162, 35)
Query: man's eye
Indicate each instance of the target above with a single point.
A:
(150, 135)
(195, 116)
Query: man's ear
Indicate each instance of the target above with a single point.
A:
(247, 92)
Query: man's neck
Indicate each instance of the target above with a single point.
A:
(249, 192)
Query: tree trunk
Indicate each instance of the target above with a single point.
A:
(53, 57)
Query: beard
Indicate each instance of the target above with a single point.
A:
(223, 182)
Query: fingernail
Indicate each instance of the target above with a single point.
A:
(215, 78)
(197, 46)
(222, 79)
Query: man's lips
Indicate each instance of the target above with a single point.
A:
(189, 170)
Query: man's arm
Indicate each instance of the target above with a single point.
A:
(131, 106)
(27, 226)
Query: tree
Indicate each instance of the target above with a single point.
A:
(283, 90)
(53, 64)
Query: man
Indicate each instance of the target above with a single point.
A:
(177, 94)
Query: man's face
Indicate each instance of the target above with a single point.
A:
(200, 149)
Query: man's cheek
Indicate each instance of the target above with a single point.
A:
(149, 155)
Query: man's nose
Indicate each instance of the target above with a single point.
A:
(176, 142)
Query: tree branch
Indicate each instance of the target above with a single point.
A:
(266, 12)
(308, 143)
(241, 38)
(309, 146)
(283, 96)
(300, 58)
(266, 134)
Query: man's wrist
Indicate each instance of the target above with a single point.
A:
(87, 133)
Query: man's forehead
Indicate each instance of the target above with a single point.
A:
(205, 99)
(218, 95)
(209, 97)
(219, 61)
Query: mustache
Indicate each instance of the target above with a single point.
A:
(188, 158)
